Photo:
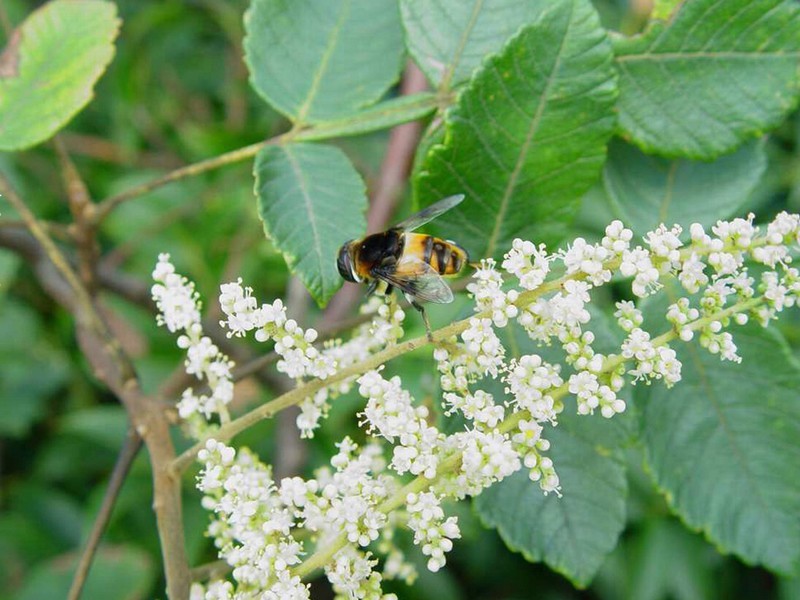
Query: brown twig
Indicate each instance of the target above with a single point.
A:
(104, 150)
(336, 128)
(240, 154)
(54, 230)
(113, 367)
(130, 449)
(81, 207)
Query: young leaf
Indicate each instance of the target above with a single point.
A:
(320, 59)
(528, 135)
(646, 190)
(311, 201)
(49, 67)
(715, 75)
(722, 445)
(450, 38)
(572, 534)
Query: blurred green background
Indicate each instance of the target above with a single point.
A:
(176, 93)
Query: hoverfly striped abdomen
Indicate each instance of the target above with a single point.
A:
(444, 256)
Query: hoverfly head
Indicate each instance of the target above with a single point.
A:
(345, 263)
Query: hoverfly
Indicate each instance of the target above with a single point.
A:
(414, 263)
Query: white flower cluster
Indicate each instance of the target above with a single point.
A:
(345, 508)
(391, 414)
(256, 521)
(432, 531)
(487, 291)
(530, 380)
(383, 329)
(300, 359)
(252, 525)
(711, 265)
(179, 309)
(528, 263)
(352, 576)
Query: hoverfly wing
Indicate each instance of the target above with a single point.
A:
(429, 213)
(417, 279)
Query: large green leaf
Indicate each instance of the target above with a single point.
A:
(49, 67)
(647, 190)
(714, 75)
(315, 60)
(449, 39)
(723, 446)
(311, 201)
(572, 534)
(528, 135)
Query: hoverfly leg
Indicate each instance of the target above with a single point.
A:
(425, 320)
(372, 287)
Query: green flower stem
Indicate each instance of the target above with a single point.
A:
(421, 483)
(298, 394)
(305, 390)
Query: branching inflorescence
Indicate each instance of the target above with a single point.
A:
(348, 512)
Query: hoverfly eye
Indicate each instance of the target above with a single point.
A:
(344, 263)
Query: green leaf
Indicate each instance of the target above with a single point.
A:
(722, 445)
(716, 74)
(117, 573)
(102, 425)
(449, 39)
(24, 539)
(647, 191)
(315, 60)
(528, 135)
(572, 534)
(51, 507)
(311, 201)
(49, 67)
(381, 116)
